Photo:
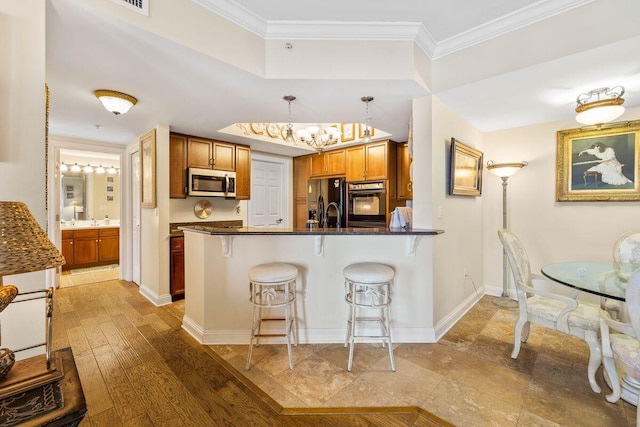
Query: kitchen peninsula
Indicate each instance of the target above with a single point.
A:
(217, 310)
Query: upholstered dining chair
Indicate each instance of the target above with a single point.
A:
(623, 349)
(554, 311)
(626, 249)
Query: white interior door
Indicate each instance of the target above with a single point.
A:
(135, 217)
(267, 207)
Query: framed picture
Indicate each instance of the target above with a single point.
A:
(109, 179)
(348, 133)
(69, 195)
(362, 128)
(148, 170)
(69, 187)
(109, 187)
(465, 170)
(109, 198)
(598, 164)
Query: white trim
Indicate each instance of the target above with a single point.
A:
(456, 314)
(126, 272)
(157, 300)
(358, 30)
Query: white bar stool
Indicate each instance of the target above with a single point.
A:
(273, 286)
(368, 287)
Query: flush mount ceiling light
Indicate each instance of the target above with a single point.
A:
(366, 135)
(116, 102)
(600, 105)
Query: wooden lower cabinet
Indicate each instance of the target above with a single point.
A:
(177, 268)
(90, 247)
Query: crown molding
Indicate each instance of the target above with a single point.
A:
(524, 17)
(415, 31)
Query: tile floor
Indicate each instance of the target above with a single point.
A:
(86, 276)
(468, 378)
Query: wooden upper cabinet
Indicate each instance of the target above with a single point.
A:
(329, 163)
(178, 166)
(243, 172)
(200, 153)
(404, 186)
(369, 162)
(224, 156)
(356, 163)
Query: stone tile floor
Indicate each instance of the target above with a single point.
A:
(468, 378)
(86, 276)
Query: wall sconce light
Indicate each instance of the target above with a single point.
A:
(592, 110)
(115, 102)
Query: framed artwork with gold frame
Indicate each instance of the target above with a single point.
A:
(347, 131)
(148, 169)
(598, 163)
(465, 170)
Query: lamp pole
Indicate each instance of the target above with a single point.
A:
(504, 171)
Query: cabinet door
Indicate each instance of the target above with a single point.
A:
(404, 187)
(109, 245)
(356, 163)
(335, 162)
(301, 174)
(243, 172)
(177, 266)
(67, 252)
(200, 153)
(85, 249)
(317, 165)
(224, 156)
(376, 161)
(177, 166)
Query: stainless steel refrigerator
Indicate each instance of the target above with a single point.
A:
(326, 201)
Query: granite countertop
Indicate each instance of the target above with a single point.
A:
(174, 227)
(308, 232)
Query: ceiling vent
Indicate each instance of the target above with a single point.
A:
(140, 6)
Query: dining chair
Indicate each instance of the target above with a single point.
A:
(554, 311)
(626, 249)
(623, 348)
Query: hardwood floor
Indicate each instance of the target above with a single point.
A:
(138, 368)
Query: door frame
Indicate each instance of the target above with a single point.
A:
(286, 183)
(53, 195)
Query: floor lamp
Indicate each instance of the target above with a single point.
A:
(504, 171)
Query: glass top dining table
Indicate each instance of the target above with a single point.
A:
(607, 279)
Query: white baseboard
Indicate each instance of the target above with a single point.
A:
(157, 300)
(447, 323)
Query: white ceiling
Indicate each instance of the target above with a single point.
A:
(519, 62)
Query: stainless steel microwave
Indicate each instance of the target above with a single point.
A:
(211, 183)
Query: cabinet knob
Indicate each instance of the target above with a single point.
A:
(409, 186)
(71, 243)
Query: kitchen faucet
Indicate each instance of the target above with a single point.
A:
(326, 214)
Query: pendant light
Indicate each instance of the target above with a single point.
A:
(289, 130)
(366, 135)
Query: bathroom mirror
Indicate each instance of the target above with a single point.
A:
(89, 196)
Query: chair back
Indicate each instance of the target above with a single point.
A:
(518, 258)
(633, 301)
(627, 248)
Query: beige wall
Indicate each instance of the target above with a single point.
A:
(551, 231)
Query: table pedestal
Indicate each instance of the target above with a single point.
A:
(629, 388)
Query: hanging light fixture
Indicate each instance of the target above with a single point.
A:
(319, 138)
(100, 169)
(592, 110)
(116, 102)
(289, 130)
(366, 135)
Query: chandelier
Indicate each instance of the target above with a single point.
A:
(592, 110)
(315, 137)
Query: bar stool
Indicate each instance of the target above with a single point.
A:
(273, 286)
(368, 287)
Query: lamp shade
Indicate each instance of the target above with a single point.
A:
(505, 170)
(24, 247)
(115, 102)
